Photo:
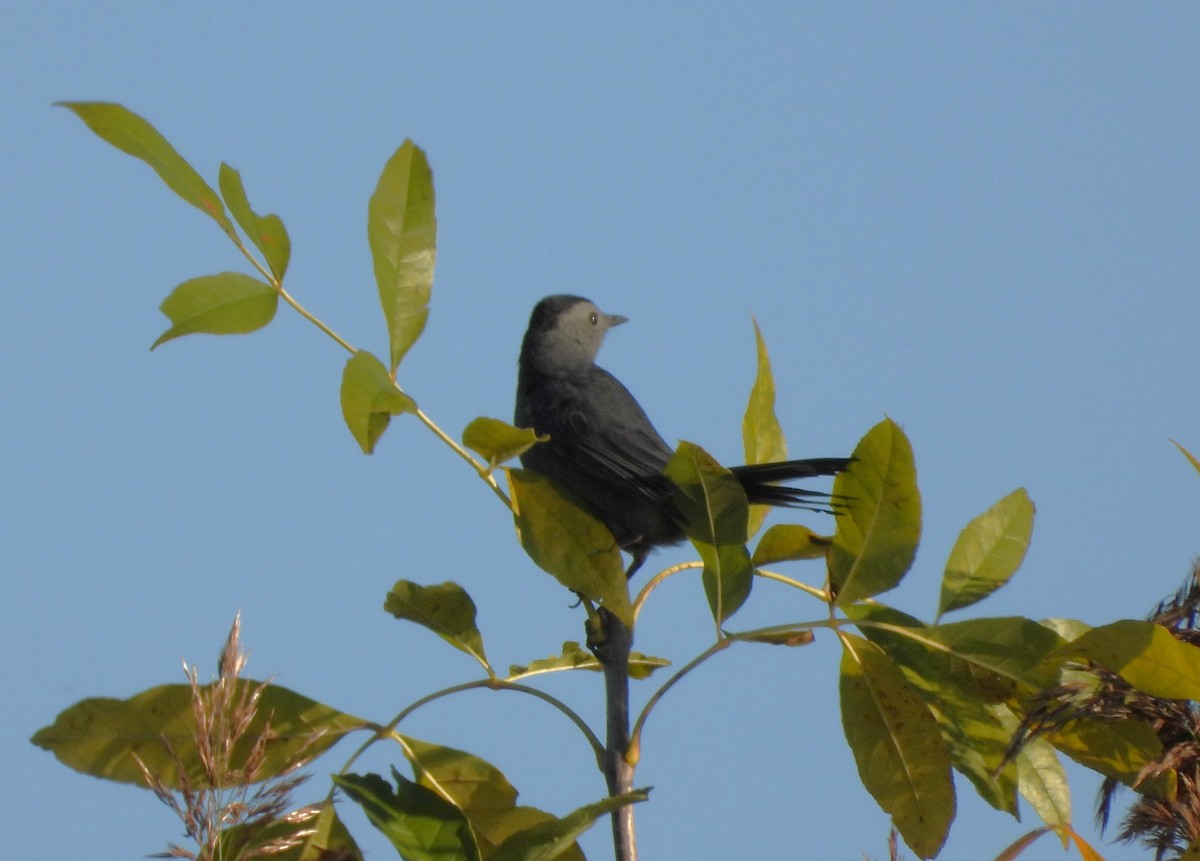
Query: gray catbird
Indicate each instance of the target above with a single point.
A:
(602, 447)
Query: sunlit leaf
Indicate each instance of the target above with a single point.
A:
(576, 657)
(1042, 780)
(762, 435)
(550, 840)
(266, 232)
(785, 542)
(498, 441)
(226, 304)
(445, 609)
(131, 134)
(1000, 652)
(101, 736)
(877, 535)
(402, 231)
(1195, 465)
(370, 399)
(566, 541)
(1144, 654)
(901, 758)
(421, 824)
(479, 790)
(974, 735)
(715, 512)
(988, 552)
(1117, 749)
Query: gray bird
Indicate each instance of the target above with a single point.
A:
(603, 449)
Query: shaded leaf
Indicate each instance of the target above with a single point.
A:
(226, 304)
(988, 552)
(778, 637)
(549, 840)
(306, 838)
(784, 542)
(266, 232)
(1000, 652)
(101, 736)
(496, 441)
(370, 399)
(876, 537)
(402, 231)
(329, 836)
(131, 134)
(899, 751)
(1043, 782)
(567, 542)
(576, 657)
(421, 824)
(1144, 654)
(715, 512)
(762, 435)
(1014, 849)
(446, 609)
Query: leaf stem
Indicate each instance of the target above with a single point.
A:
(795, 584)
(658, 578)
(635, 742)
(481, 469)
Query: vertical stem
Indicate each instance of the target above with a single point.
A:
(613, 652)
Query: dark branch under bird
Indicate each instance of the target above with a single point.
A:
(603, 449)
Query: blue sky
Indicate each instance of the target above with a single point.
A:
(979, 220)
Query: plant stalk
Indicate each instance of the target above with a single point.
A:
(613, 652)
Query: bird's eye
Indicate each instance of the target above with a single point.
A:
(593, 319)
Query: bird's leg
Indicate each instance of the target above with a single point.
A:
(639, 554)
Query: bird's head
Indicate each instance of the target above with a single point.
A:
(566, 329)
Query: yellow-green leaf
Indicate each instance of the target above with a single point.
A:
(566, 541)
(988, 552)
(1144, 654)
(762, 435)
(370, 399)
(498, 441)
(877, 535)
(445, 609)
(901, 757)
(329, 836)
(576, 657)
(1117, 749)
(1191, 457)
(550, 840)
(266, 232)
(226, 304)
(784, 542)
(131, 134)
(715, 513)
(100, 736)
(402, 231)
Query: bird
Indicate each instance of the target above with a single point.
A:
(603, 449)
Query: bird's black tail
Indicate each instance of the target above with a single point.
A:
(760, 483)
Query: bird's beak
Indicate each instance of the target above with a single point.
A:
(616, 320)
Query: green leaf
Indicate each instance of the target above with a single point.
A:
(576, 657)
(1143, 654)
(999, 653)
(478, 789)
(566, 541)
(783, 636)
(496, 441)
(402, 231)
(1117, 749)
(101, 736)
(370, 399)
(131, 134)
(974, 735)
(329, 836)
(447, 610)
(785, 542)
(421, 824)
(762, 434)
(1043, 782)
(226, 304)
(266, 232)
(988, 552)
(550, 840)
(877, 535)
(901, 758)
(715, 512)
